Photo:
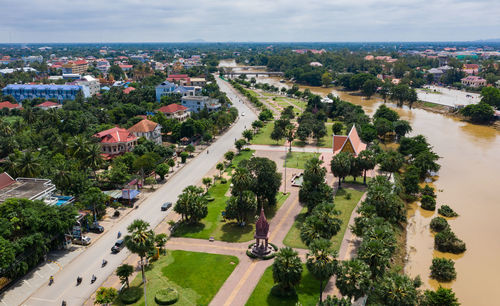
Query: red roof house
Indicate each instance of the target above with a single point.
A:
(116, 141)
(175, 111)
(128, 90)
(48, 105)
(179, 78)
(350, 143)
(9, 105)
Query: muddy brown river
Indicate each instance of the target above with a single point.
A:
(467, 182)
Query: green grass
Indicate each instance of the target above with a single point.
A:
(245, 154)
(324, 142)
(214, 224)
(196, 276)
(307, 291)
(345, 206)
(298, 160)
(263, 137)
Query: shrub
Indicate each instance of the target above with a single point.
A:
(279, 292)
(447, 241)
(210, 198)
(347, 196)
(446, 211)
(275, 247)
(443, 270)
(131, 295)
(439, 224)
(251, 255)
(428, 190)
(428, 202)
(166, 296)
(223, 181)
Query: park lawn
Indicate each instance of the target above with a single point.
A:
(196, 276)
(245, 154)
(263, 137)
(214, 225)
(345, 206)
(307, 291)
(324, 142)
(297, 160)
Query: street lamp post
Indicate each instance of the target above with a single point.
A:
(284, 179)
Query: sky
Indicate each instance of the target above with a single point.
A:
(39, 21)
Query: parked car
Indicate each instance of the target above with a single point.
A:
(119, 245)
(166, 206)
(84, 240)
(96, 228)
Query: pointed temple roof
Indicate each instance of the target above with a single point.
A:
(350, 143)
(262, 226)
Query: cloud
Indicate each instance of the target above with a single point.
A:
(247, 20)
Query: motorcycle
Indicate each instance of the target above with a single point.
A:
(51, 280)
(78, 280)
(104, 263)
(93, 279)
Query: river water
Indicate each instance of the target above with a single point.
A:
(468, 182)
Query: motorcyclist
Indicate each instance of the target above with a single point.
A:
(119, 234)
(93, 278)
(51, 279)
(78, 279)
(104, 262)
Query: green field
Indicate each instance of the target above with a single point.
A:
(298, 160)
(307, 291)
(263, 137)
(196, 276)
(345, 207)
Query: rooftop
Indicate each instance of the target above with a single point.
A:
(142, 126)
(28, 188)
(115, 134)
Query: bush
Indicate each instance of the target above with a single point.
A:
(443, 270)
(251, 255)
(347, 196)
(278, 291)
(275, 247)
(131, 295)
(166, 296)
(428, 203)
(223, 181)
(446, 211)
(428, 190)
(447, 241)
(439, 224)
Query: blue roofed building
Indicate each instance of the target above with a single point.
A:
(167, 88)
(22, 92)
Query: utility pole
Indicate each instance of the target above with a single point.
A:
(284, 179)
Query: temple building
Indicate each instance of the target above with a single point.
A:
(350, 143)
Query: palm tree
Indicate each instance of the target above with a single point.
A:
(287, 269)
(123, 272)
(321, 262)
(78, 146)
(220, 167)
(207, 182)
(28, 164)
(140, 241)
(5, 128)
(93, 157)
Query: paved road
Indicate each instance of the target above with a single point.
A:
(89, 262)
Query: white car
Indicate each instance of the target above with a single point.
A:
(243, 114)
(83, 241)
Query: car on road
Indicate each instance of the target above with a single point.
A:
(243, 114)
(166, 206)
(84, 240)
(119, 245)
(96, 227)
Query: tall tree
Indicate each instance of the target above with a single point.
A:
(123, 272)
(287, 269)
(322, 223)
(353, 278)
(192, 204)
(266, 181)
(321, 262)
(140, 240)
(341, 165)
(367, 161)
(241, 207)
(314, 189)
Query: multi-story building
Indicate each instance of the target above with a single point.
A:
(473, 81)
(116, 141)
(167, 88)
(75, 67)
(198, 82)
(27, 188)
(175, 111)
(147, 129)
(22, 92)
(91, 82)
(197, 103)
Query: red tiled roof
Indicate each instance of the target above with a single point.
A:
(128, 90)
(177, 76)
(353, 138)
(172, 108)
(80, 62)
(142, 126)
(6, 180)
(471, 66)
(48, 104)
(7, 104)
(115, 134)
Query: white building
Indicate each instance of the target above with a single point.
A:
(197, 103)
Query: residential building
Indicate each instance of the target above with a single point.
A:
(147, 129)
(175, 111)
(197, 103)
(128, 90)
(75, 67)
(92, 83)
(9, 105)
(103, 66)
(471, 69)
(181, 79)
(167, 88)
(473, 81)
(315, 64)
(126, 67)
(26, 188)
(116, 141)
(49, 105)
(201, 82)
(350, 143)
(21, 92)
(33, 59)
